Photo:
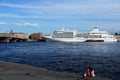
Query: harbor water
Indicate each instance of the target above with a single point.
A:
(66, 57)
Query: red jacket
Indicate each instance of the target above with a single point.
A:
(88, 73)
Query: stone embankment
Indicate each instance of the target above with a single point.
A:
(14, 71)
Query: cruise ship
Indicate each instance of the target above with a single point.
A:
(66, 36)
(96, 35)
(74, 36)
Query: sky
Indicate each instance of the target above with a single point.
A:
(46, 16)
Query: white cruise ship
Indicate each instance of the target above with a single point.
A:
(66, 36)
(74, 36)
(100, 36)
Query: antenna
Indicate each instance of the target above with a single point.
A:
(63, 29)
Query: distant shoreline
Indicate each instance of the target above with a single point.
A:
(22, 37)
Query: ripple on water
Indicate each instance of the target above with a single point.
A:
(69, 57)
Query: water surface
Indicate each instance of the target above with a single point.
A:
(68, 57)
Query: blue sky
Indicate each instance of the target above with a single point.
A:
(31, 16)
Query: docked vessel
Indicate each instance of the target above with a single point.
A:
(66, 36)
(100, 36)
(74, 36)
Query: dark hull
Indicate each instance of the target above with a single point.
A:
(94, 40)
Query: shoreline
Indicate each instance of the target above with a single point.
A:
(15, 71)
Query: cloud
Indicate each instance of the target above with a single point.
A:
(64, 9)
(2, 23)
(26, 24)
(10, 5)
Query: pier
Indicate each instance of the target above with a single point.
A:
(13, 37)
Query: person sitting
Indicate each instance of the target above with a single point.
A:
(92, 73)
(89, 72)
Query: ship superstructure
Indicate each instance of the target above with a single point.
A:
(102, 36)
